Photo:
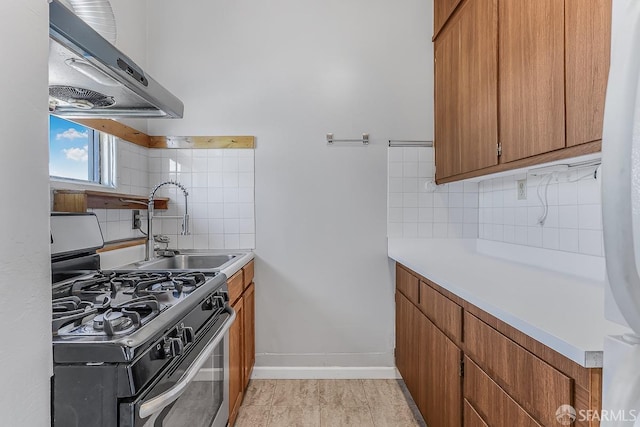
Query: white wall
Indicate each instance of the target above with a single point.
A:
(25, 311)
(288, 72)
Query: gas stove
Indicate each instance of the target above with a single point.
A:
(127, 344)
(111, 304)
(115, 315)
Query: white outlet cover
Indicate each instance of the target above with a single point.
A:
(521, 189)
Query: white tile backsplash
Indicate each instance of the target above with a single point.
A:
(221, 197)
(220, 185)
(490, 209)
(451, 211)
(573, 222)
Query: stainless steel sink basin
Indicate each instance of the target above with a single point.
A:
(189, 261)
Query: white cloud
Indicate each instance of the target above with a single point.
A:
(77, 154)
(72, 134)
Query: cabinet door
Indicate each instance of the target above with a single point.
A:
(249, 333)
(531, 77)
(236, 361)
(442, 9)
(440, 384)
(497, 408)
(535, 385)
(466, 90)
(471, 417)
(407, 316)
(588, 38)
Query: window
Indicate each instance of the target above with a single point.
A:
(79, 153)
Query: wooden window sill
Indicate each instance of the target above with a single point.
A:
(121, 244)
(81, 200)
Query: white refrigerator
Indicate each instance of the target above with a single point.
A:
(621, 217)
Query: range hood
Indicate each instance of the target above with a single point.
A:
(90, 78)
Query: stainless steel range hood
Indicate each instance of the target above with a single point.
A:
(89, 77)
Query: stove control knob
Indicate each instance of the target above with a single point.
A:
(187, 335)
(219, 301)
(225, 295)
(173, 347)
(207, 304)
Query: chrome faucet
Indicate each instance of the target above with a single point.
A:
(150, 254)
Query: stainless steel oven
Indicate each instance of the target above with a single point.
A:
(134, 348)
(192, 392)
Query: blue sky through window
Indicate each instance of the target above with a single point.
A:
(69, 149)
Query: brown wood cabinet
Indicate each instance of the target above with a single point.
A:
(466, 93)
(442, 10)
(426, 358)
(516, 369)
(407, 336)
(533, 94)
(439, 396)
(236, 357)
(241, 337)
(531, 83)
(507, 378)
(471, 416)
(587, 29)
(249, 339)
(492, 404)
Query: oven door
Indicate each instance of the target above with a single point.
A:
(194, 393)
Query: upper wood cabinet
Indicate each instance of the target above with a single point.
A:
(518, 83)
(466, 96)
(531, 83)
(587, 34)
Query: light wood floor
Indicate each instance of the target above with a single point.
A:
(330, 403)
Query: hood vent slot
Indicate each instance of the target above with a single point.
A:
(80, 98)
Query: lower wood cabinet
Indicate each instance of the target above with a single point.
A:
(439, 396)
(464, 367)
(241, 337)
(249, 338)
(471, 417)
(407, 338)
(236, 383)
(491, 403)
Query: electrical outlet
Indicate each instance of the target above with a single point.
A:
(521, 186)
(135, 219)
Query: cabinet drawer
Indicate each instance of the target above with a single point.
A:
(444, 313)
(492, 403)
(236, 286)
(407, 283)
(248, 274)
(471, 417)
(538, 387)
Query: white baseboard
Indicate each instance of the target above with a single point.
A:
(325, 373)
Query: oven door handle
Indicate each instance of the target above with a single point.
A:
(162, 400)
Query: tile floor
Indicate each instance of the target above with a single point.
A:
(330, 403)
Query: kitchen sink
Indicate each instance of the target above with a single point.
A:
(188, 261)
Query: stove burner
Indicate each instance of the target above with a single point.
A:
(99, 284)
(115, 322)
(70, 311)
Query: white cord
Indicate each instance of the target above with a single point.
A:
(544, 202)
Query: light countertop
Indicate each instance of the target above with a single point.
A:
(563, 312)
(238, 263)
